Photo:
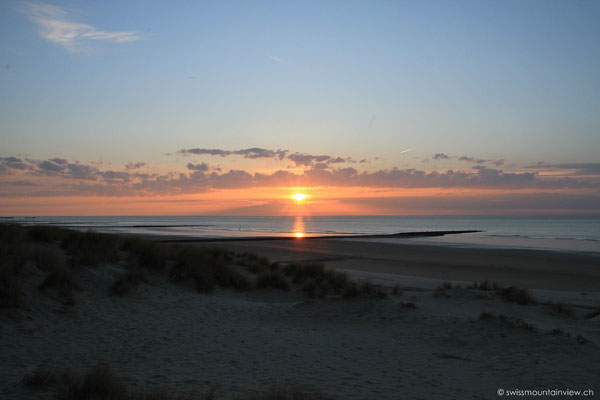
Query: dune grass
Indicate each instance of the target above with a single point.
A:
(206, 269)
(512, 294)
(47, 259)
(561, 308)
(287, 392)
(129, 281)
(364, 289)
(150, 255)
(318, 281)
(101, 383)
(507, 321)
(61, 278)
(397, 290)
(253, 262)
(91, 248)
(268, 278)
(11, 295)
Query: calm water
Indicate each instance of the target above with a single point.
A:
(575, 233)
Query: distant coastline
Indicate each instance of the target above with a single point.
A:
(266, 238)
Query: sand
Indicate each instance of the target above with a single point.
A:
(165, 334)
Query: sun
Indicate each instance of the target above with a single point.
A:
(298, 197)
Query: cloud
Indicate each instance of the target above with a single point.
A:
(252, 153)
(299, 159)
(132, 165)
(440, 156)
(58, 176)
(198, 167)
(577, 168)
(276, 59)
(57, 27)
(18, 183)
(471, 159)
(7, 163)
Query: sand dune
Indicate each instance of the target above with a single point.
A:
(417, 344)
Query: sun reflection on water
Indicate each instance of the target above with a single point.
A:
(299, 227)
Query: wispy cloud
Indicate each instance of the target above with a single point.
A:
(57, 27)
(277, 59)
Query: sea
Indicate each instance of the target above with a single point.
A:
(580, 233)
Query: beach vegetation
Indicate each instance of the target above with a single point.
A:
(10, 291)
(253, 262)
(272, 279)
(128, 281)
(47, 259)
(61, 278)
(397, 289)
(207, 269)
(43, 376)
(561, 308)
(150, 255)
(512, 294)
(288, 392)
(91, 248)
(45, 233)
(364, 289)
(507, 321)
(488, 286)
(517, 295)
(318, 281)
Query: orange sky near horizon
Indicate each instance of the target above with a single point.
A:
(278, 202)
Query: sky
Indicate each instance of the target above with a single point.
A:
(368, 107)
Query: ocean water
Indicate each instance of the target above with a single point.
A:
(565, 233)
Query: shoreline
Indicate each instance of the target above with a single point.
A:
(350, 236)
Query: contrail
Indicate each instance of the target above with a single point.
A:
(407, 150)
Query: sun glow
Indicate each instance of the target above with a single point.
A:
(298, 197)
(299, 235)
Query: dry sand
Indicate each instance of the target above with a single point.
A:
(356, 349)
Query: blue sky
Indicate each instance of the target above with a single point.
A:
(512, 80)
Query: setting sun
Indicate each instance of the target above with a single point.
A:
(299, 234)
(298, 196)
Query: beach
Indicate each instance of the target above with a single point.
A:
(428, 333)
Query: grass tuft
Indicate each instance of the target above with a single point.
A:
(316, 280)
(91, 248)
(207, 269)
(487, 286)
(294, 392)
(397, 290)
(511, 294)
(365, 288)
(272, 279)
(507, 321)
(10, 290)
(150, 255)
(518, 295)
(128, 281)
(61, 278)
(253, 262)
(98, 382)
(43, 376)
(561, 308)
(47, 259)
